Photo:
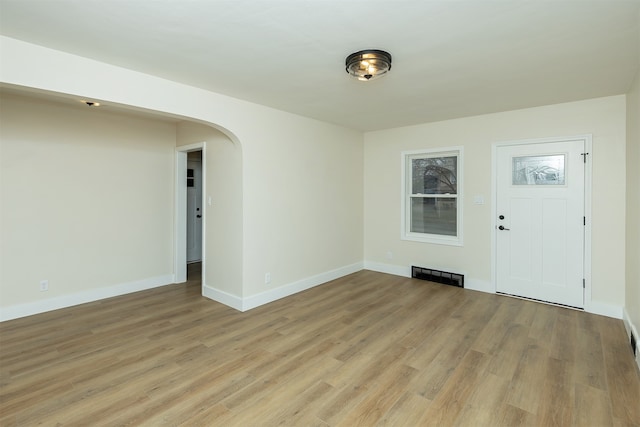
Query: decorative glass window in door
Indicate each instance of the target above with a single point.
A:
(539, 170)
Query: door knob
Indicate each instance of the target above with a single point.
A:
(502, 228)
(501, 217)
(198, 216)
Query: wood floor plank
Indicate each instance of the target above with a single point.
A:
(489, 393)
(283, 372)
(449, 403)
(527, 379)
(215, 414)
(341, 403)
(380, 398)
(592, 406)
(622, 373)
(544, 321)
(500, 329)
(366, 349)
(365, 369)
(590, 360)
(294, 404)
(282, 400)
(180, 411)
(509, 416)
(407, 411)
(555, 404)
(564, 336)
(508, 350)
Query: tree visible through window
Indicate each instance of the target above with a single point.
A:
(432, 199)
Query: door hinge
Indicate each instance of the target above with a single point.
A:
(584, 220)
(584, 284)
(584, 156)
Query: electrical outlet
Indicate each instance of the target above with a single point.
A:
(389, 255)
(267, 278)
(44, 285)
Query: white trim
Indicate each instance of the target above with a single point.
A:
(37, 307)
(588, 146)
(180, 218)
(222, 297)
(594, 307)
(604, 309)
(629, 326)
(180, 213)
(485, 286)
(396, 270)
(494, 215)
(299, 286)
(588, 174)
(457, 240)
(632, 329)
(253, 301)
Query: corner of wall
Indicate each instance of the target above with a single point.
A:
(223, 297)
(396, 270)
(253, 301)
(603, 309)
(632, 330)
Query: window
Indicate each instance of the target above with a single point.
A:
(190, 178)
(432, 196)
(539, 170)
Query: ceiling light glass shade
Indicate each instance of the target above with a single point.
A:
(368, 64)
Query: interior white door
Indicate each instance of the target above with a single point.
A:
(194, 210)
(540, 223)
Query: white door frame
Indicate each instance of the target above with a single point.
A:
(180, 215)
(587, 206)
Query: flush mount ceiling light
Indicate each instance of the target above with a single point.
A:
(368, 64)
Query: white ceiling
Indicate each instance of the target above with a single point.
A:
(450, 58)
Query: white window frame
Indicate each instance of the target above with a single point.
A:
(405, 232)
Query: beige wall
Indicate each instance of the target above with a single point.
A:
(301, 178)
(604, 118)
(86, 199)
(632, 303)
(303, 203)
(223, 239)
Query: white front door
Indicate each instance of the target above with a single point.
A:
(194, 210)
(540, 221)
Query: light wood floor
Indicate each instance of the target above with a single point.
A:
(368, 349)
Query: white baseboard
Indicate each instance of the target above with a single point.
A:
(594, 307)
(50, 304)
(253, 301)
(479, 285)
(301, 285)
(603, 309)
(222, 297)
(396, 270)
(632, 329)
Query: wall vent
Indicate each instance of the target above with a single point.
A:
(437, 276)
(633, 344)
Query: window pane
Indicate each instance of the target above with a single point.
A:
(538, 170)
(434, 175)
(433, 215)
